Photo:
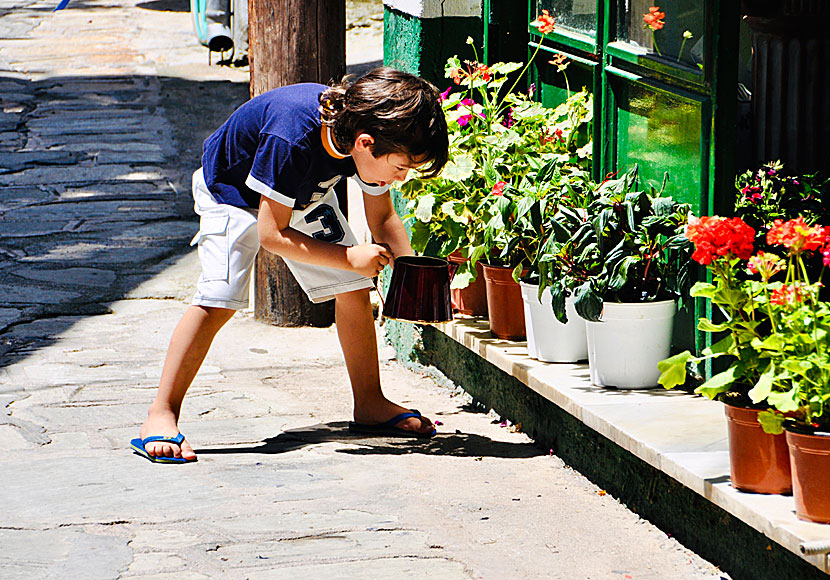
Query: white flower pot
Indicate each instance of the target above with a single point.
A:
(548, 339)
(625, 347)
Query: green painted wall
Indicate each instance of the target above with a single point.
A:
(421, 46)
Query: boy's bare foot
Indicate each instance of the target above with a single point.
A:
(164, 423)
(384, 410)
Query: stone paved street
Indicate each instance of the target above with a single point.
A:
(104, 108)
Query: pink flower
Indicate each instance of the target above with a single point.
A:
(443, 96)
(765, 264)
(753, 194)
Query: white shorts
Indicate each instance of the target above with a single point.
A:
(228, 243)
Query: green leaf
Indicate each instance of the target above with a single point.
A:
(517, 272)
(619, 277)
(763, 387)
(707, 325)
(420, 236)
(785, 402)
(726, 345)
(459, 169)
(718, 384)
(424, 210)
(461, 279)
(702, 290)
(771, 422)
(673, 369)
(557, 303)
(587, 302)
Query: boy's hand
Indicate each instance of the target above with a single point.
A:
(368, 259)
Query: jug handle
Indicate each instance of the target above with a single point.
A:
(453, 268)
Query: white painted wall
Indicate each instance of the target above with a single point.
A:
(436, 8)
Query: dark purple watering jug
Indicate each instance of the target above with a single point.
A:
(420, 290)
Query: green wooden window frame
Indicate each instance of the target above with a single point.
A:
(612, 66)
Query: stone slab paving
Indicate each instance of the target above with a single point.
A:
(105, 105)
(281, 490)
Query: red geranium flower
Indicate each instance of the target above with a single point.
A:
(654, 18)
(544, 22)
(455, 74)
(715, 236)
(787, 294)
(498, 188)
(797, 235)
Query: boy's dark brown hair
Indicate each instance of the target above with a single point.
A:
(399, 110)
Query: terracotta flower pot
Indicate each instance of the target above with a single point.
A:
(758, 462)
(810, 462)
(504, 303)
(471, 300)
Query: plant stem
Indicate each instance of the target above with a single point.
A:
(522, 72)
(654, 43)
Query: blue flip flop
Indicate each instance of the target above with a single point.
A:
(138, 446)
(388, 428)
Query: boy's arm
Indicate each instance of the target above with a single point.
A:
(385, 225)
(276, 237)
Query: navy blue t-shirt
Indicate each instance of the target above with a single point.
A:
(273, 145)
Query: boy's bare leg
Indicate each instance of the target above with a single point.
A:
(356, 331)
(188, 348)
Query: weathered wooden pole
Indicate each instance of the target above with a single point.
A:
(292, 41)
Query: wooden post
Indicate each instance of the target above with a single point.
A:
(292, 41)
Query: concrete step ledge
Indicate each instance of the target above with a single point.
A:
(679, 434)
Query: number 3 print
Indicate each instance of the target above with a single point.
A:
(332, 231)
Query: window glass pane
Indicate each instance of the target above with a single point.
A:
(670, 30)
(575, 15)
(554, 86)
(660, 133)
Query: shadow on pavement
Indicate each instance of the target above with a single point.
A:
(451, 444)
(94, 191)
(166, 5)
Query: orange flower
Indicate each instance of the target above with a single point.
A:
(544, 22)
(654, 18)
(484, 71)
(560, 61)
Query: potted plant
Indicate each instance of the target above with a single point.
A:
(497, 135)
(759, 462)
(766, 199)
(795, 381)
(555, 332)
(635, 259)
(514, 220)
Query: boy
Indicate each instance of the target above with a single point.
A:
(267, 178)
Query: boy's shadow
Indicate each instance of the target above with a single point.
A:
(454, 444)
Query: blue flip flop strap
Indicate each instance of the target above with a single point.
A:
(163, 439)
(398, 418)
